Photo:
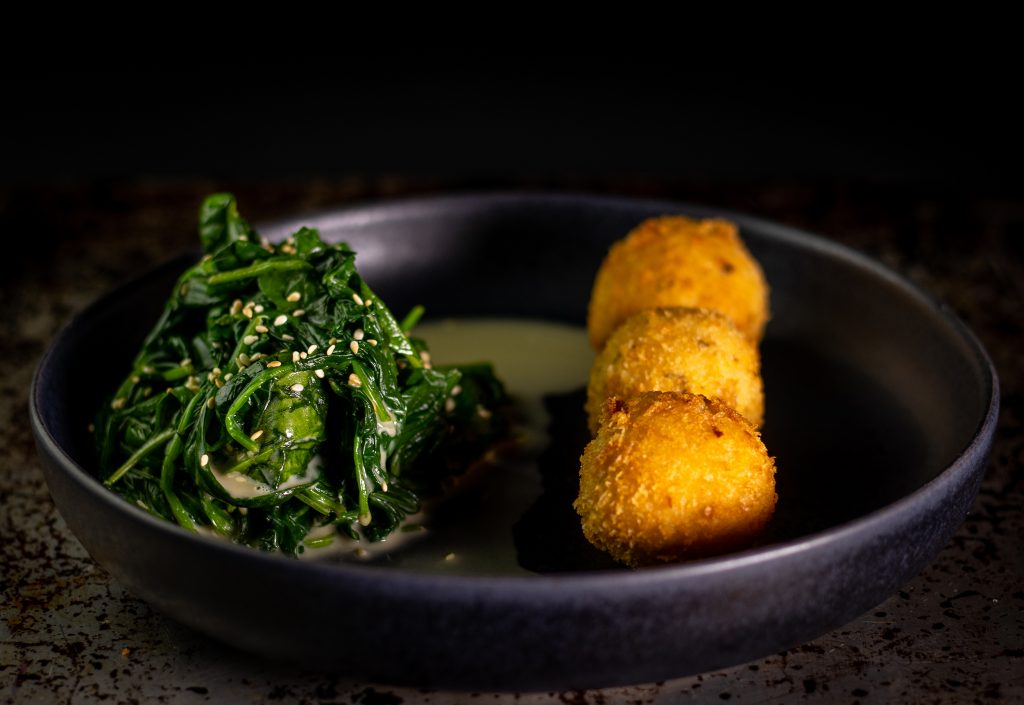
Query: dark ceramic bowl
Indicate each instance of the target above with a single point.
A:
(881, 408)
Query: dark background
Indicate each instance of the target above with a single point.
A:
(922, 124)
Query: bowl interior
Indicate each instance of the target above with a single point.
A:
(871, 389)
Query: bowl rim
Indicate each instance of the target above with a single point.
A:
(530, 586)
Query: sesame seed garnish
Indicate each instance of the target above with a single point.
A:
(354, 347)
(274, 363)
(456, 390)
(136, 379)
(256, 435)
(236, 307)
(358, 335)
(262, 329)
(250, 339)
(371, 341)
(319, 373)
(185, 361)
(289, 338)
(369, 302)
(147, 391)
(243, 360)
(483, 413)
(357, 298)
(312, 348)
(295, 356)
(303, 355)
(258, 308)
(384, 486)
(354, 381)
(281, 320)
(297, 388)
(118, 404)
(219, 383)
(330, 350)
(148, 369)
(332, 341)
(449, 557)
(247, 312)
(449, 405)
(228, 376)
(211, 402)
(184, 289)
(294, 296)
(257, 356)
(243, 238)
(204, 460)
(299, 312)
(215, 372)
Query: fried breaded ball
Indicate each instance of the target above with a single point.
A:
(679, 261)
(678, 350)
(673, 475)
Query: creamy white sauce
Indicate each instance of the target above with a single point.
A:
(471, 531)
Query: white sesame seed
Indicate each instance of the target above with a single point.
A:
(297, 388)
(274, 363)
(258, 308)
(215, 371)
(294, 296)
(136, 379)
(289, 338)
(118, 404)
(243, 360)
(247, 312)
(228, 376)
(449, 405)
(262, 329)
(483, 413)
(354, 381)
(281, 320)
(256, 435)
(250, 339)
(219, 383)
(236, 307)
(358, 335)
(319, 373)
(243, 238)
(295, 356)
(204, 460)
(456, 390)
(185, 361)
(257, 356)
(358, 299)
(312, 348)
(354, 347)
(299, 312)
(303, 355)
(369, 302)
(211, 402)
(332, 341)
(449, 557)
(330, 350)
(371, 341)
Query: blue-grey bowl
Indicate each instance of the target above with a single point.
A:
(881, 407)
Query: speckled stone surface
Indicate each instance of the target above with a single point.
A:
(70, 634)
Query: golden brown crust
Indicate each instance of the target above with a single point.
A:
(673, 475)
(678, 349)
(679, 261)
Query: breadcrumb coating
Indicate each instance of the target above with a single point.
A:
(678, 350)
(673, 475)
(679, 261)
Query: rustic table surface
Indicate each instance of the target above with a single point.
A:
(71, 634)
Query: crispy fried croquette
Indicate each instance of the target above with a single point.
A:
(679, 261)
(673, 475)
(678, 350)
